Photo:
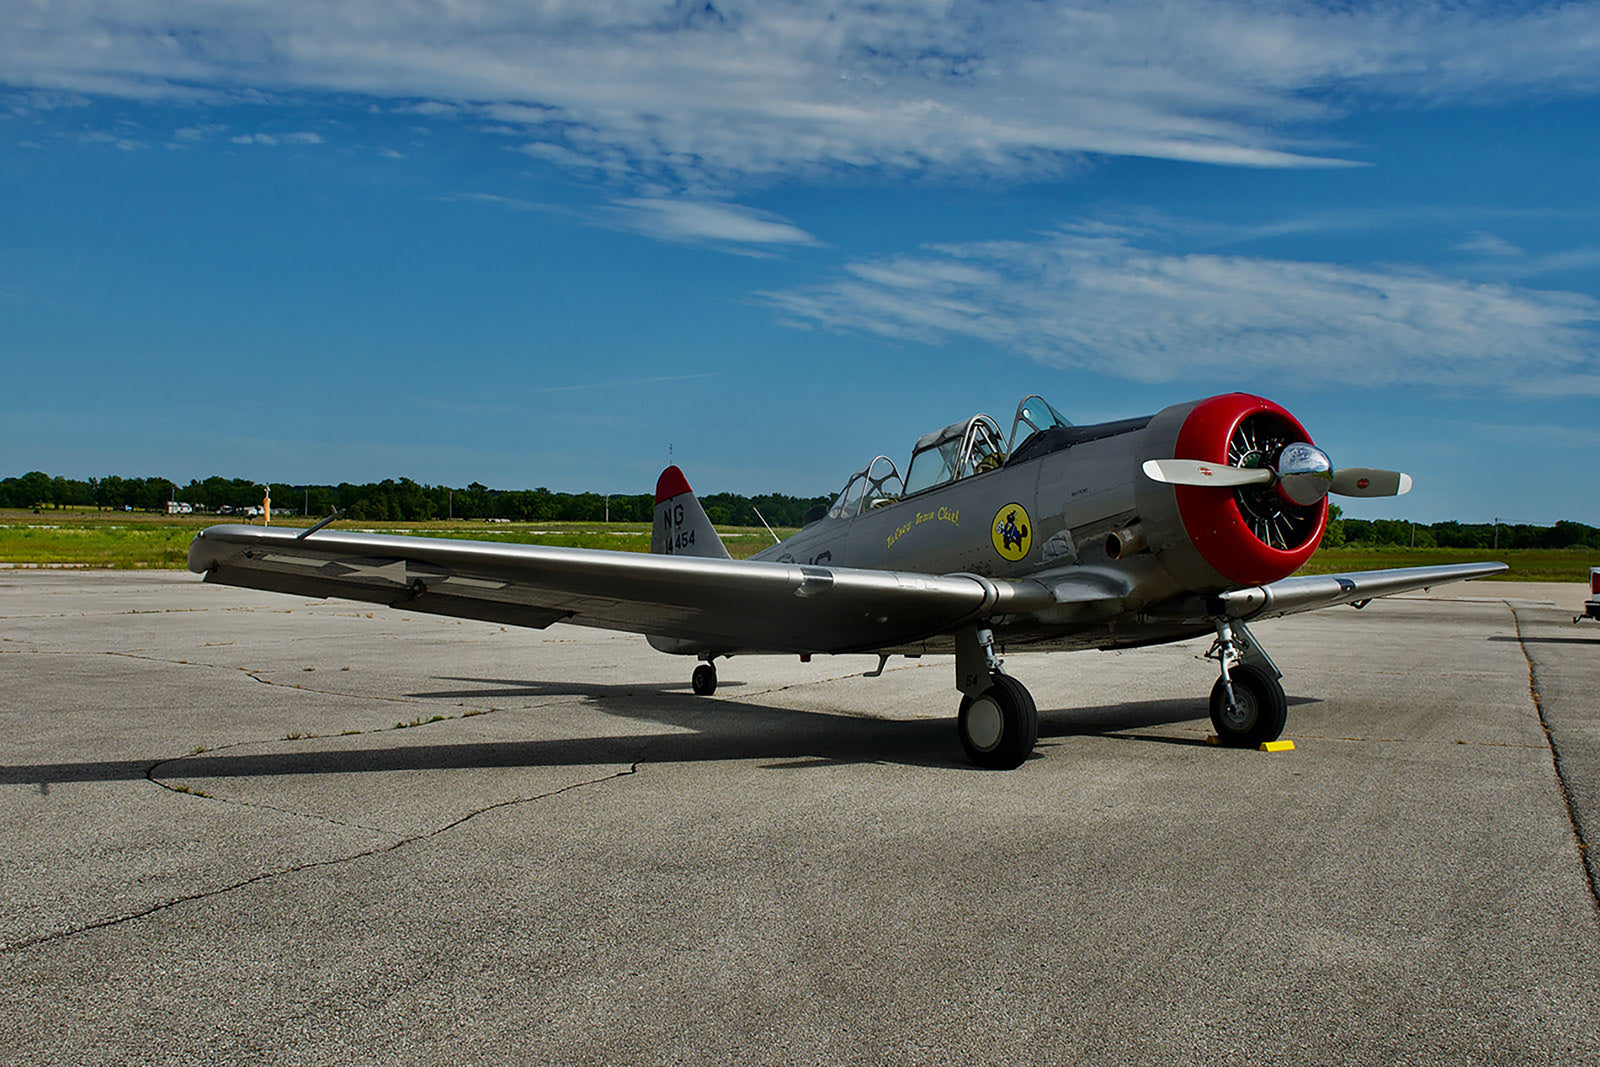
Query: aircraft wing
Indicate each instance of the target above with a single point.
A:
(706, 604)
(1288, 596)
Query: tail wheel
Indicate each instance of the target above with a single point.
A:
(1000, 725)
(704, 680)
(1258, 710)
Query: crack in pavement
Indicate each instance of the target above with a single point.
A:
(117, 920)
(256, 674)
(1585, 858)
(150, 776)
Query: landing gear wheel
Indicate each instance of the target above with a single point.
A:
(704, 680)
(999, 726)
(1259, 711)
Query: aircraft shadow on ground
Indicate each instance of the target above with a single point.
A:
(1575, 639)
(704, 730)
(518, 687)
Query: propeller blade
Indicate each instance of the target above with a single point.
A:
(1196, 472)
(1369, 481)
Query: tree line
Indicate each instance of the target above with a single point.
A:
(1453, 534)
(394, 500)
(403, 500)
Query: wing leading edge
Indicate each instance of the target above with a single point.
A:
(1289, 596)
(703, 604)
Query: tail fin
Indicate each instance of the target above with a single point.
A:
(681, 527)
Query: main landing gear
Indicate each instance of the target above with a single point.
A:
(999, 722)
(1248, 707)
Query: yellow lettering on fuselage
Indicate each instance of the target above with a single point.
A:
(942, 515)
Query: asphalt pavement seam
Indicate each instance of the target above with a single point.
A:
(256, 674)
(265, 876)
(1584, 856)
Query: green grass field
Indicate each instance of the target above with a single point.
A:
(133, 539)
(124, 540)
(1527, 564)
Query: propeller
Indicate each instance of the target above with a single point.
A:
(1304, 475)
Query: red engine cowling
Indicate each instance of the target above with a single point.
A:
(1253, 535)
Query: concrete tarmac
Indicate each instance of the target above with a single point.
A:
(246, 828)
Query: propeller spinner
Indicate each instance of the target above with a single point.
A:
(1304, 475)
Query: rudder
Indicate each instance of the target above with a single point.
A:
(681, 527)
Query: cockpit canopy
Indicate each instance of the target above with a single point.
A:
(974, 445)
(958, 451)
(873, 486)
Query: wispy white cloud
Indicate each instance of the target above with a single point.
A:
(514, 203)
(1499, 258)
(728, 227)
(1487, 244)
(119, 141)
(629, 383)
(1096, 298)
(703, 222)
(200, 131)
(703, 96)
(1585, 258)
(302, 137)
(1540, 435)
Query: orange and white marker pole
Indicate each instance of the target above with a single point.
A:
(266, 506)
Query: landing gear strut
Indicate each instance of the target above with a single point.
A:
(1248, 706)
(998, 723)
(704, 680)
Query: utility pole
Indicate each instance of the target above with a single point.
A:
(450, 505)
(1497, 531)
(608, 507)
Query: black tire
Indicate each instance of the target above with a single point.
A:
(704, 680)
(999, 726)
(1261, 712)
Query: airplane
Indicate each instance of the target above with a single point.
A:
(1116, 535)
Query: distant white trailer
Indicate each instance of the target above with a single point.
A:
(1591, 607)
(179, 507)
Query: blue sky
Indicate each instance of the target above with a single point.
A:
(539, 244)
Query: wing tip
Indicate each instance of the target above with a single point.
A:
(671, 483)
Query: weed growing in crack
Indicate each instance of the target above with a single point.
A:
(419, 721)
(190, 792)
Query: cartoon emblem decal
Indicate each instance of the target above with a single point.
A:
(1012, 532)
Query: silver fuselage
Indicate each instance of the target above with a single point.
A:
(1078, 500)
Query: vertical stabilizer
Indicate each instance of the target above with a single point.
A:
(681, 527)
